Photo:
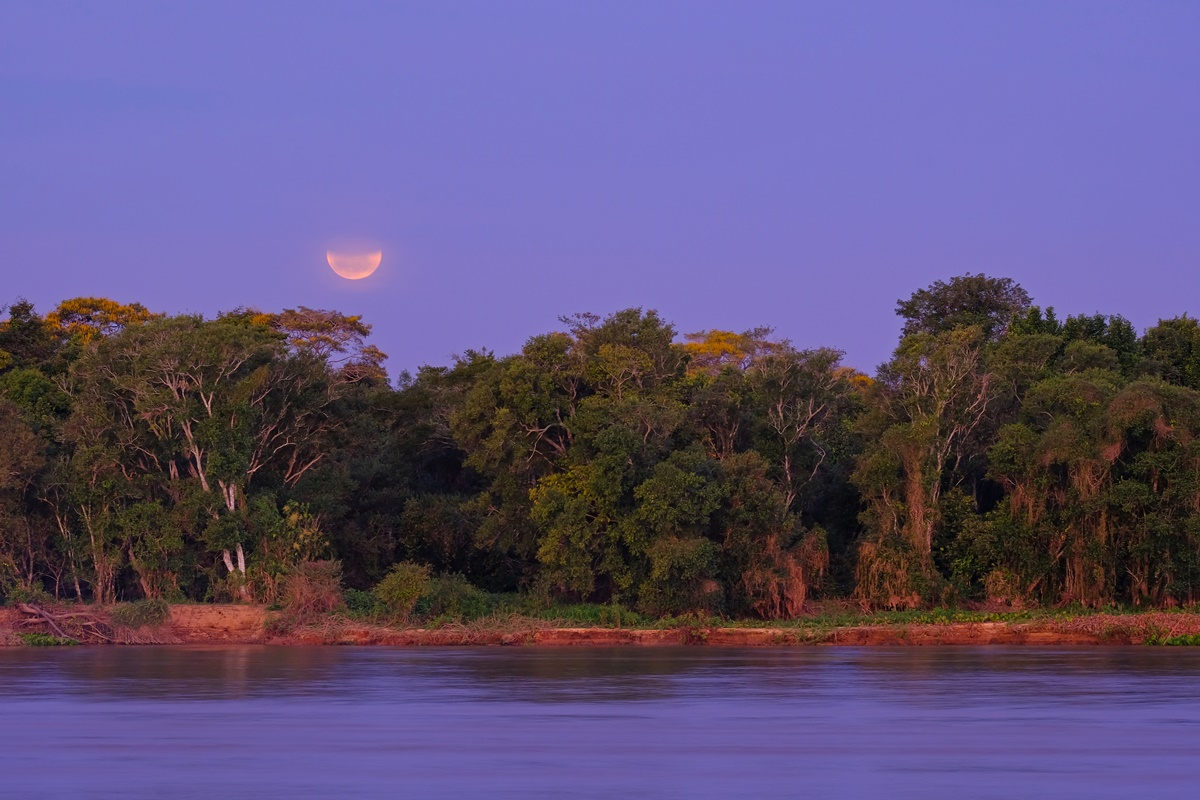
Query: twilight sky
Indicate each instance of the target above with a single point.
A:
(794, 164)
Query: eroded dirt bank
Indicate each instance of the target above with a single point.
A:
(245, 624)
(966, 633)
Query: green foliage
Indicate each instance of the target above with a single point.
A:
(892, 574)
(438, 529)
(453, 597)
(291, 545)
(37, 395)
(1172, 351)
(45, 640)
(401, 588)
(141, 613)
(27, 340)
(1114, 333)
(965, 301)
(681, 578)
(360, 603)
(1004, 455)
(1185, 640)
(927, 414)
(592, 614)
(15, 593)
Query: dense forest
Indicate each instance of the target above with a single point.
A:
(1002, 455)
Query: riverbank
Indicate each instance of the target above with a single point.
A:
(249, 624)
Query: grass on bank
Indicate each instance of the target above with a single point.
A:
(455, 602)
(45, 640)
(140, 613)
(410, 596)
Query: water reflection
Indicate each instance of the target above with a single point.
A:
(619, 674)
(657, 722)
(176, 673)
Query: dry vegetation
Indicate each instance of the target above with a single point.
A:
(1150, 627)
(86, 625)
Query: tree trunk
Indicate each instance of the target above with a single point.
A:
(239, 570)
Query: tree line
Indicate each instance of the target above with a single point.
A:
(1002, 455)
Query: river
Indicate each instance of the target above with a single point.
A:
(677, 722)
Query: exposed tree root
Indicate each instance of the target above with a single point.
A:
(42, 614)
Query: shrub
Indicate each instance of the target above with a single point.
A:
(360, 602)
(1183, 640)
(609, 614)
(23, 594)
(141, 613)
(453, 597)
(618, 616)
(401, 588)
(680, 577)
(1002, 586)
(313, 587)
(892, 575)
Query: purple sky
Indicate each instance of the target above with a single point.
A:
(795, 164)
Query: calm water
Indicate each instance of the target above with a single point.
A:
(674, 722)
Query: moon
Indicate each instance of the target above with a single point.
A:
(354, 266)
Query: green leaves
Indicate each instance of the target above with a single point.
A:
(989, 304)
(1002, 454)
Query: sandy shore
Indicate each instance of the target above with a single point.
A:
(245, 624)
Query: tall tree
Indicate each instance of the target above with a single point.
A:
(84, 319)
(1172, 350)
(23, 546)
(965, 301)
(800, 394)
(330, 336)
(712, 351)
(925, 410)
(214, 403)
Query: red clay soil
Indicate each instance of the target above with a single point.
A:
(967, 633)
(214, 624)
(244, 624)
(8, 624)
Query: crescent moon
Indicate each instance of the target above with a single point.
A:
(354, 266)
